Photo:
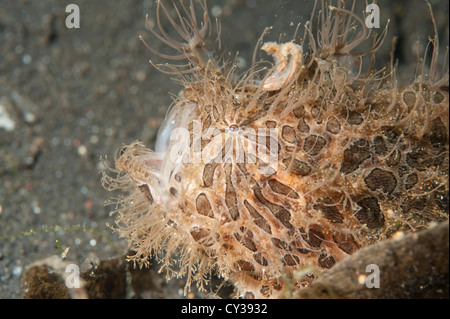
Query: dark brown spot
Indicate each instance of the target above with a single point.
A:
(280, 244)
(246, 240)
(438, 98)
(290, 260)
(208, 174)
(249, 295)
(305, 281)
(203, 206)
(317, 114)
(303, 251)
(299, 111)
(314, 144)
(382, 180)
(345, 242)
(207, 122)
(354, 118)
(146, 191)
(178, 177)
(299, 244)
(265, 291)
(230, 194)
(440, 158)
(302, 126)
(268, 142)
(414, 203)
(173, 192)
(201, 236)
(379, 145)
(282, 189)
(358, 152)
(276, 284)
(370, 213)
(242, 168)
(418, 159)
(271, 124)
(257, 218)
(391, 133)
(325, 261)
(260, 259)
(437, 135)
(244, 265)
(288, 134)
(394, 158)
(314, 238)
(329, 211)
(216, 114)
(279, 212)
(282, 215)
(252, 118)
(411, 180)
(333, 125)
(315, 111)
(313, 69)
(298, 167)
(410, 99)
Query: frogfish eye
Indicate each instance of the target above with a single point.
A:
(233, 128)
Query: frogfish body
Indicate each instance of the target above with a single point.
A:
(284, 169)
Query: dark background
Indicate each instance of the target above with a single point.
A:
(75, 95)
